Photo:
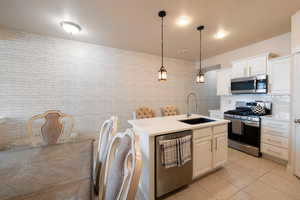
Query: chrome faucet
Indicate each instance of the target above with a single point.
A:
(188, 114)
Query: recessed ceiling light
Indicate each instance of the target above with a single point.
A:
(70, 27)
(183, 21)
(220, 34)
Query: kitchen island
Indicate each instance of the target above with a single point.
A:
(209, 145)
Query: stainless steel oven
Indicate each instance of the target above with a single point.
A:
(250, 85)
(244, 134)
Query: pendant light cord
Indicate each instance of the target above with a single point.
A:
(200, 51)
(162, 41)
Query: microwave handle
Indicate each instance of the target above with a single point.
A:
(255, 84)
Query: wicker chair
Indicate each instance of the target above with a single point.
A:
(143, 112)
(169, 110)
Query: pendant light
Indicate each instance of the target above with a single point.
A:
(200, 75)
(162, 73)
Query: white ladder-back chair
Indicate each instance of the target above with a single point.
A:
(122, 171)
(51, 130)
(107, 131)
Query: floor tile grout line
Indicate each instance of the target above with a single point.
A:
(276, 188)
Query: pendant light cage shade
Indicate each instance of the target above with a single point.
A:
(200, 76)
(162, 73)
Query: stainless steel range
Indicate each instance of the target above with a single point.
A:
(244, 129)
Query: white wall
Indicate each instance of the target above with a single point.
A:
(279, 45)
(90, 82)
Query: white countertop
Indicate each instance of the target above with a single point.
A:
(277, 118)
(163, 125)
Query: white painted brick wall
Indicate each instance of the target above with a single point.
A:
(90, 82)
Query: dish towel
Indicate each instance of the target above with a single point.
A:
(169, 153)
(185, 149)
(176, 152)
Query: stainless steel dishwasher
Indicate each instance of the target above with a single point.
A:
(170, 179)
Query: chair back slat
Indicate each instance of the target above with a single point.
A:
(122, 171)
(107, 131)
(52, 130)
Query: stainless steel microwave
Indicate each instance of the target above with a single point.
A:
(250, 85)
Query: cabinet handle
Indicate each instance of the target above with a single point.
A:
(216, 144)
(211, 146)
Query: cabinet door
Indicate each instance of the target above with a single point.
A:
(223, 82)
(295, 32)
(239, 69)
(202, 156)
(257, 65)
(220, 150)
(220, 80)
(280, 70)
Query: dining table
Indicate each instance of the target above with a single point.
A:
(53, 172)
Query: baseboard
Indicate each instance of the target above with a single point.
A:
(274, 159)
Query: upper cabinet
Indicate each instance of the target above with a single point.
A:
(280, 75)
(295, 33)
(251, 66)
(223, 81)
(258, 65)
(239, 69)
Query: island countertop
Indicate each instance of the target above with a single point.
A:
(164, 125)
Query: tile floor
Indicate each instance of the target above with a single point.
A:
(244, 178)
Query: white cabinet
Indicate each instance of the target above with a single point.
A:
(295, 33)
(257, 65)
(209, 149)
(275, 138)
(223, 81)
(220, 150)
(251, 66)
(240, 69)
(280, 75)
(203, 156)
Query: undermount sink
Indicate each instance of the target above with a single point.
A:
(200, 120)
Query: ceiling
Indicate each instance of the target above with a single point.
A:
(134, 24)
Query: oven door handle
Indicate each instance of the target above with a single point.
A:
(253, 124)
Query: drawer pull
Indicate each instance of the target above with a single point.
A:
(278, 153)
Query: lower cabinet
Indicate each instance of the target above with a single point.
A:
(210, 152)
(202, 156)
(220, 151)
(275, 138)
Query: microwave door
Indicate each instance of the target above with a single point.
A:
(243, 86)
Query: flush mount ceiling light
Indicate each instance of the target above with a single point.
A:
(70, 27)
(200, 75)
(183, 21)
(162, 73)
(220, 34)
